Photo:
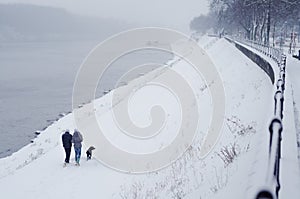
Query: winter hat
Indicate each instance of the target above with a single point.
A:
(76, 132)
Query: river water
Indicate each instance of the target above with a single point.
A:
(36, 81)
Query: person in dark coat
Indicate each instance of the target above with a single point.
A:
(77, 139)
(67, 144)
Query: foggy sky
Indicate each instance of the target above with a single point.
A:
(165, 13)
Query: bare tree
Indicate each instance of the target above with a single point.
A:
(257, 19)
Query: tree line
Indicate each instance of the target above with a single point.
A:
(24, 22)
(258, 20)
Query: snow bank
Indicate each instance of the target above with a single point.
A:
(36, 170)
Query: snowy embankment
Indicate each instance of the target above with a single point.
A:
(36, 170)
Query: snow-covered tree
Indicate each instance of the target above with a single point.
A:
(257, 19)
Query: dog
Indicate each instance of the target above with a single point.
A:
(89, 153)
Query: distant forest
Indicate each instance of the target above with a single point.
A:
(258, 20)
(22, 22)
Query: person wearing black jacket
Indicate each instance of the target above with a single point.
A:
(67, 144)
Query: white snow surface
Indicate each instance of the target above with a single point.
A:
(36, 170)
(291, 145)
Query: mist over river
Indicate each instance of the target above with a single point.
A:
(36, 82)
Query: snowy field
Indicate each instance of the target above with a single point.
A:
(36, 170)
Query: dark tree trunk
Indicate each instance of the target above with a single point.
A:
(274, 30)
(268, 24)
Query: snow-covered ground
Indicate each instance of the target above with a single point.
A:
(36, 170)
(293, 69)
(289, 168)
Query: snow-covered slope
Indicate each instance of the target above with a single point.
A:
(36, 170)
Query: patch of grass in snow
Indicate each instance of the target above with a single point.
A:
(236, 127)
(182, 177)
(229, 153)
(32, 157)
(221, 180)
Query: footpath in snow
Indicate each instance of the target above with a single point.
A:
(36, 170)
(293, 70)
(290, 172)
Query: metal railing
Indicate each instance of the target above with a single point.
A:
(270, 51)
(275, 130)
(268, 168)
